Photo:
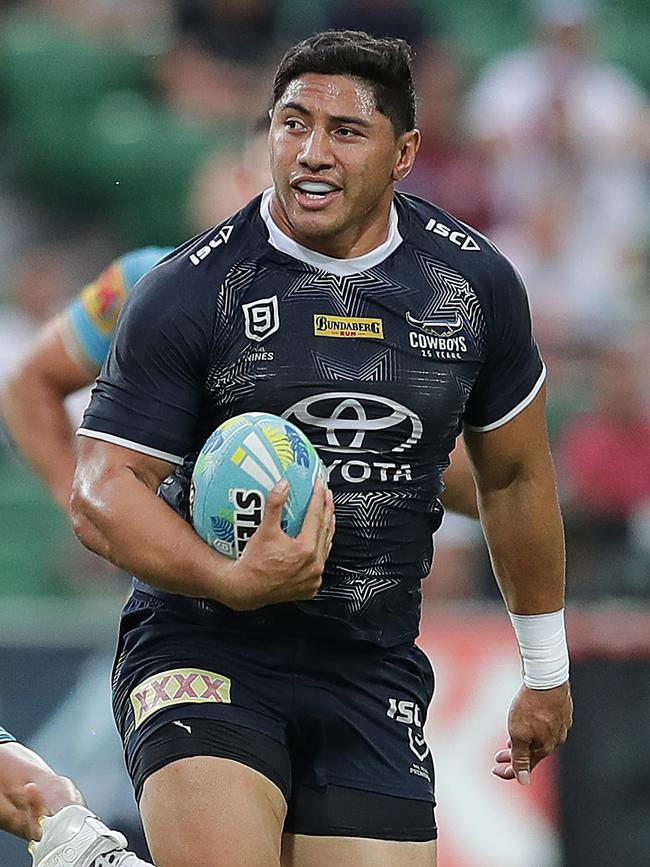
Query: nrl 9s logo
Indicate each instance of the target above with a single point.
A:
(355, 422)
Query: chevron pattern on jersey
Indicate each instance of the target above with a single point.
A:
(234, 382)
(381, 367)
(235, 283)
(369, 509)
(347, 295)
(452, 295)
(357, 592)
(464, 383)
(369, 513)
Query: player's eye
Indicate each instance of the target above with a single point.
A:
(292, 123)
(346, 132)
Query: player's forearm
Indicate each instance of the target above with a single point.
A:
(121, 519)
(37, 421)
(523, 529)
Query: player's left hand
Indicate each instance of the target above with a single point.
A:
(538, 722)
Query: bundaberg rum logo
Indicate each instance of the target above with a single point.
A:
(347, 326)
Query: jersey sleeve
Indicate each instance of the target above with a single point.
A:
(149, 393)
(513, 371)
(89, 320)
(5, 737)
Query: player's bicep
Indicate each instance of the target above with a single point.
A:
(515, 449)
(100, 462)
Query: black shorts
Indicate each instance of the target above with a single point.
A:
(337, 726)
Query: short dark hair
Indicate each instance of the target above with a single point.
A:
(384, 62)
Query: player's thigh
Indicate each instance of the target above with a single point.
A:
(305, 851)
(344, 826)
(212, 812)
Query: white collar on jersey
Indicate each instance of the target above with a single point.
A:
(340, 267)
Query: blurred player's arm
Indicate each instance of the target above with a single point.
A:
(66, 356)
(460, 490)
(521, 519)
(34, 412)
(29, 789)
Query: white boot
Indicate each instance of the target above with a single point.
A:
(74, 837)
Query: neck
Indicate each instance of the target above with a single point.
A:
(368, 233)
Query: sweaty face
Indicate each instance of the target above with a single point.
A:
(333, 160)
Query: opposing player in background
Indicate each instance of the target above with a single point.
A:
(272, 708)
(40, 805)
(66, 356)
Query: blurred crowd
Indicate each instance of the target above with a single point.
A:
(135, 122)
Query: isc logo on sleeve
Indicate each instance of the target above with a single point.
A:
(460, 239)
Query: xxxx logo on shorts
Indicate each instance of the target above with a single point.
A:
(178, 686)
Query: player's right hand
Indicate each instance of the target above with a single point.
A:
(30, 789)
(538, 722)
(276, 567)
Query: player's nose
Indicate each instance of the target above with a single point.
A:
(316, 152)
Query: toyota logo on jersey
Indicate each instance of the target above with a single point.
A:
(354, 422)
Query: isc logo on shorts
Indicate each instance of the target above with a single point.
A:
(177, 686)
(347, 326)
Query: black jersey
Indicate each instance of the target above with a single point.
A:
(380, 360)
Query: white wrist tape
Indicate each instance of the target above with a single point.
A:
(543, 648)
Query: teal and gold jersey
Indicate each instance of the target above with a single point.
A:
(5, 736)
(90, 319)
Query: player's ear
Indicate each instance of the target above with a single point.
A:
(407, 146)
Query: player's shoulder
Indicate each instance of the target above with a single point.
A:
(440, 235)
(205, 259)
(136, 263)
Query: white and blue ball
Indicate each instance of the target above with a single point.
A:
(240, 463)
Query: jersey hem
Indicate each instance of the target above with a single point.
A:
(129, 444)
(532, 394)
(151, 595)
